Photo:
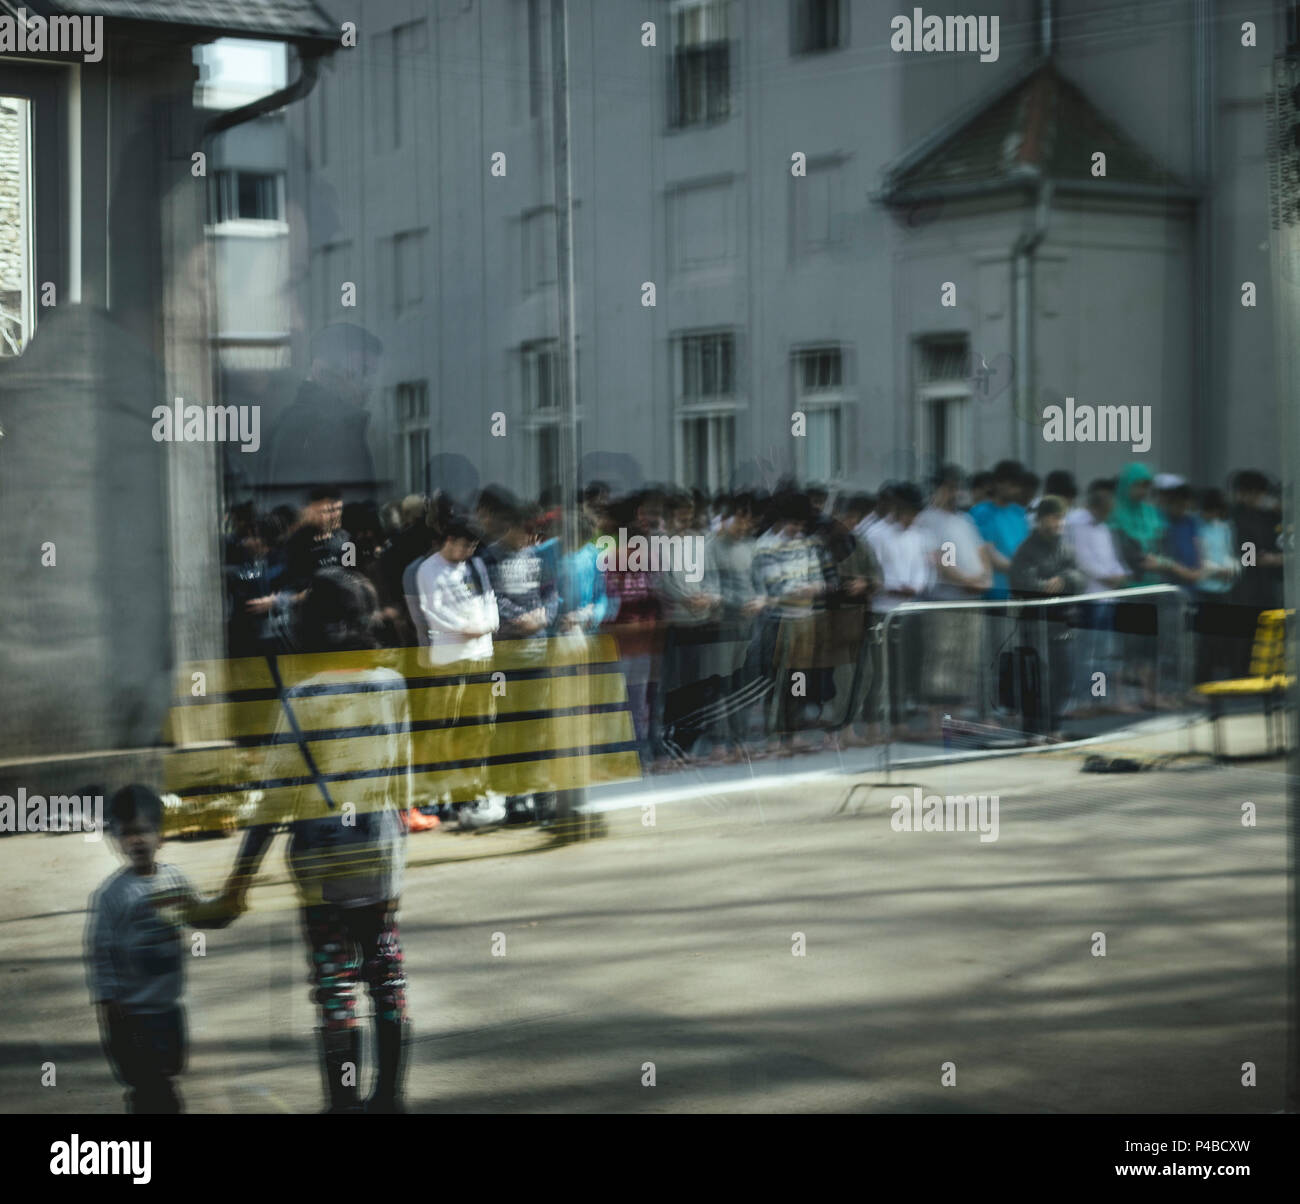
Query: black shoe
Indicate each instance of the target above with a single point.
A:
(341, 1064)
(390, 1041)
(519, 810)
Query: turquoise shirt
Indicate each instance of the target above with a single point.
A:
(1006, 528)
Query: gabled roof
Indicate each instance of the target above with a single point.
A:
(1040, 126)
(286, 20)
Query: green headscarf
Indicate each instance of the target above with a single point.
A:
(1140, 521)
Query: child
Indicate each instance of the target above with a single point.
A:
(347, 865)
(136, 958)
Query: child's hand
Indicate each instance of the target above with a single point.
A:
(234, 899)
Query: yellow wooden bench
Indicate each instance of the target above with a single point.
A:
(1268, 681)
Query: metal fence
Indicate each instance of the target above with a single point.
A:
(1009, 673)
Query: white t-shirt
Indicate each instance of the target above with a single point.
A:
(456, 599)
(905, 560)
(878, 533)
(954, 527)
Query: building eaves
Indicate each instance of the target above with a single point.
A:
(282, 20)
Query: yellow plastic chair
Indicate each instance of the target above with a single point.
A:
(1268, 681)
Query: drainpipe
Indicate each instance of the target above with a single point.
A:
(1022, 293)
(309, 60)
(301, 87)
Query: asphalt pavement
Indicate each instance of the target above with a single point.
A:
(761, 943)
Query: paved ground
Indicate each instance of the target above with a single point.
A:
(672, 944)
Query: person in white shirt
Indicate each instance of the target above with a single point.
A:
(460, 614)
(880, 513)
(963, 568)
(903, 551)
(952, 639)
(456, 599)
(1089, 536)
(904, 554)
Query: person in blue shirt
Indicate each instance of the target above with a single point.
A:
(1002, 523)
(1181, 545)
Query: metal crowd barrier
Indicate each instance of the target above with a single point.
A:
(1035, 655)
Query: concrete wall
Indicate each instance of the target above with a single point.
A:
(109, 561)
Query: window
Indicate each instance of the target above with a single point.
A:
(248, 196)
(707, 368)
(17, 240)
(702, 225)
(398, 57)
(820, 395)
(408, 270)
(701, 61)
(539, 249)
(943, 375)
(543, 382)
(547, 447)
(944, 360)
(818, 26)
(408, 51)
(412, 412)
(707, 406)
(708, 451)
(819, 371)
(542, 365)
(817, 210)
(382, 75)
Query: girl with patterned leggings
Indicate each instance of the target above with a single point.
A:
(347, 848)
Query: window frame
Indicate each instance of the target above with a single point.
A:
(929, 390)
(841, 399)
(832, 168)
(28, 287)
(800, 27)
(407, 425)
(549, 419)
(706, 52)
(538, 243)
(224, 196)
(713, 411)
(402, 245)
(45, 88)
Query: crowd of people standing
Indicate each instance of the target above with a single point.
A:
(763, 643)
